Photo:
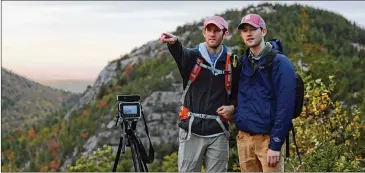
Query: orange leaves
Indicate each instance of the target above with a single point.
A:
(31, 134)
(102, 104)
(128, 69)
(51, 166)
(84, 134)
(53, 147)
(84, 114)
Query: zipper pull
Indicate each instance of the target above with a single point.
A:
(234, 61)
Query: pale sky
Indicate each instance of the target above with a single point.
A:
(47, 40)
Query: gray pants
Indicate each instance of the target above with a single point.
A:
(213, 150)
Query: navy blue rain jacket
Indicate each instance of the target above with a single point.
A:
(264, 106)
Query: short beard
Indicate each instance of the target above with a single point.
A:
(216, 46)
(257, 44)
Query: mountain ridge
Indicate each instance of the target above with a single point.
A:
(71, 85)
(24, 99)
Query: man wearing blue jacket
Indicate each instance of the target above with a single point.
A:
(265, 106)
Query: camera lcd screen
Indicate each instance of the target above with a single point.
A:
(130, 109)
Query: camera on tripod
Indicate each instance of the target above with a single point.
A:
(129, 112)
(129, 107)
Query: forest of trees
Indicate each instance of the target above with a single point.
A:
(25, 102)
(330, 132)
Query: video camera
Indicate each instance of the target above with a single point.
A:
(128, 107)
(129, 112)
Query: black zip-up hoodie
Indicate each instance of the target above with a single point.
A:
(207, 93)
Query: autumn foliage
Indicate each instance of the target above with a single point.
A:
(84, 134)
(128, 69)
(102, 104)
(31, 133)
(53, 147)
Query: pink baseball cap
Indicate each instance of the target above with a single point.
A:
(216, 20)
(254, 20)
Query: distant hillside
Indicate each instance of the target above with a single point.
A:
(325, 48)
(25, 101)
(75, 86)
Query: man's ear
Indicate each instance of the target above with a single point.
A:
(226, 33)
(264, 32)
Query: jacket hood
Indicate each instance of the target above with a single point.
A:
(203, 52)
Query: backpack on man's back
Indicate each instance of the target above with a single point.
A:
(299, 89)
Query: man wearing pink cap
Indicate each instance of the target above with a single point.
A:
(208, 100)
(265, 105)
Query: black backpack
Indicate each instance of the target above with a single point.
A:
(299, 89)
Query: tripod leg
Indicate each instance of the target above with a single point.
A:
(118, 155)
(135, 157)
(142, 165)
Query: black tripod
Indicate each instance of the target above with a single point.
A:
(129, 138)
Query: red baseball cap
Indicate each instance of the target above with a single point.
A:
(254, 20)
(216, 20)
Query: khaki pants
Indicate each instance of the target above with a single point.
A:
(252, 151)
(214, 151)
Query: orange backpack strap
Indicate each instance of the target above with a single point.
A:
(183, 113)
(228, 75)
(193, 75)
(196, 70)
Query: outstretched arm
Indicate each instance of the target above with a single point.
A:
(184, 57)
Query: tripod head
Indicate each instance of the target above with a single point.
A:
(124, 122)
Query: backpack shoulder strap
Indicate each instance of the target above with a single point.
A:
(196, 70)
(193, 75)
(269, 62)
(227, 72)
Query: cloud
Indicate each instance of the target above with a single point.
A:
(60, 34)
